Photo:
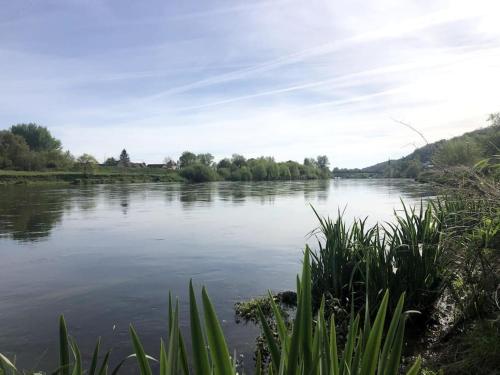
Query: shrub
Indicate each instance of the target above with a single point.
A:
(198, 173)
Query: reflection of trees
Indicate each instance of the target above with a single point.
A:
(86, 198)
(27, 214)
(119, 195)
(316, 189)
(189, 194)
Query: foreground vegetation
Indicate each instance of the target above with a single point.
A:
(308, 346)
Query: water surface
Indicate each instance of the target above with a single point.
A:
(107, 255)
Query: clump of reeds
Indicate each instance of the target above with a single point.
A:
(354, 261)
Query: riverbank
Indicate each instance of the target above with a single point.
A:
(102, 176)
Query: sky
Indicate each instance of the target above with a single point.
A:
(283, 78)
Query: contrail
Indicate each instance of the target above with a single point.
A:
(396, 31)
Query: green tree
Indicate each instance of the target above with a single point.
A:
(224, 163)
(294, 170)
(87, 163)
(284, 172)
(273, 171)
(111, 162)
(322, 161)
(238, 160)
(462, 151)
(14, 152)
(186, 159)
(245, 174)
(205, 159)
(198, 173)
(37, 137)
(259, 171)
(309, 162)
(124, 158)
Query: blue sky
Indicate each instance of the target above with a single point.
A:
(285, 78)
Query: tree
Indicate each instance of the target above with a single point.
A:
(37, 137)
(310, 162)
(88, 163)
(284, 172)
(461, 151)
(124, 158)
(238, 160)
(322, 161)
(294, 170)
(14, 152)
(198, 173)
(224, 163)
(273, 171)
(259, 171)
(111, 162)
(186, 159)
(245, 174)
(205, 159)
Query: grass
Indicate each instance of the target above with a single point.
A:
(405, 257)
(99, 175)
(309, 346)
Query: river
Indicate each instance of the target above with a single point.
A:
(107, 255)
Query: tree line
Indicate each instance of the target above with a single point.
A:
(31, 147)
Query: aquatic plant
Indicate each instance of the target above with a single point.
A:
(405, 257)
(307, 347)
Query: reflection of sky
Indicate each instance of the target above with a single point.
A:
(116, 250)
(288, 78)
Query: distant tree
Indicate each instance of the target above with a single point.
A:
(37, 137)
(224, 173)
(198, 173)
(87, 163)
(461, 151)
(259, 171)
(14, 152)
(238, 160)
(412, 169)
(224, 163)
(294, 170)
(86, 159)
(273, 171)
(310, 162)
(111, 162)
(245, 174)
(186, 159)
(284, 172)
(322, 161)
(205, 159)
(124, 158)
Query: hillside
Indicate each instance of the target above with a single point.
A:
(464, 150)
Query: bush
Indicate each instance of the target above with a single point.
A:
(198, 173)
(355, 261)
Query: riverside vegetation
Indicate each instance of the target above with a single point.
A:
(29, 153)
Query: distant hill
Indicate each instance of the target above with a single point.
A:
(466, 149)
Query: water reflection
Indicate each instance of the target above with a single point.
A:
(30, 213)
(107, 255)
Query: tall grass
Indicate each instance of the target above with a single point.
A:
(309, 346)
(404, 257)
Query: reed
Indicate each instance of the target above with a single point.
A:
(404, 257)
(309, 346)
